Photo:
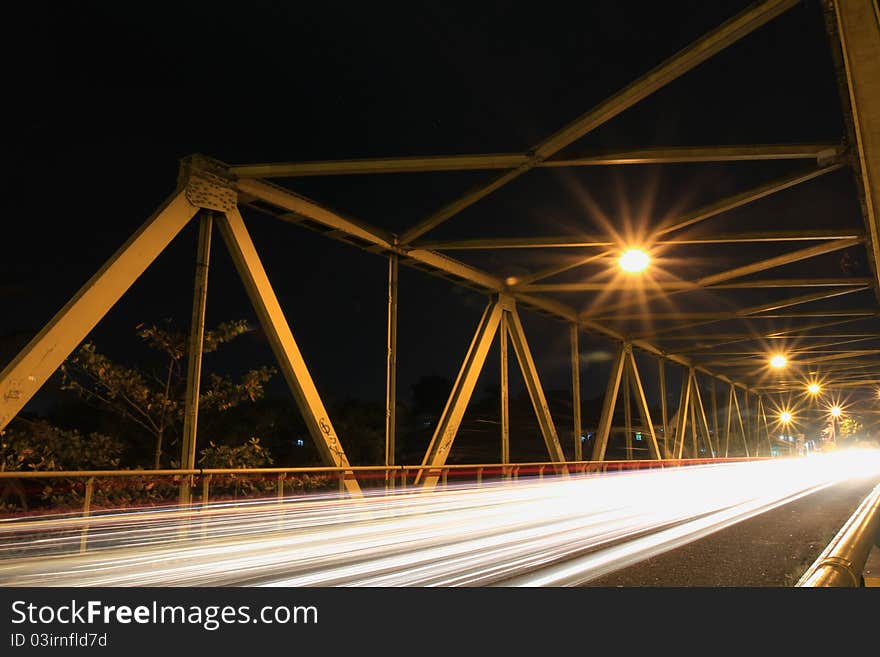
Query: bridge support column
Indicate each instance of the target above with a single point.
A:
(391, 371)
(194, 356)
(576, 393)
(505, 392)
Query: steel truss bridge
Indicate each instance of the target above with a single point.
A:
(726, 343)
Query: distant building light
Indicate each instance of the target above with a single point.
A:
(300, 442)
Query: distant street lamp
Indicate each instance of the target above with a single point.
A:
(634, 261)
(814, 389)
(778, 361)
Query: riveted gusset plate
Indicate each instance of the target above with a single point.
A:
(206, 184)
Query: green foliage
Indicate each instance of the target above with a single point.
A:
(249, 455)
(154, 401)
(37, 445)
(849, 427)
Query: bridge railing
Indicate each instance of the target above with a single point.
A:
(72, 490)
(843, 560)
(91, 491)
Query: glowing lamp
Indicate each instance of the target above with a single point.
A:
(785, 417)
(813, 388)
(778, 361)
(634, 261)
(835, 411)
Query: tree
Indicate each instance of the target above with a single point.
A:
(153, 399)
(37, 445)
(849, 428)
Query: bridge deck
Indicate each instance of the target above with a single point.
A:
(772, 549)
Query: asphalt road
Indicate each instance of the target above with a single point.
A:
(771, 549)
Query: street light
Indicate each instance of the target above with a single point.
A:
(814, 388)
(785, 417)
(634, 261)
(778, 361)
(835, 411)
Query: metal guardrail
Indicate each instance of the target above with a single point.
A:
(843, 560)
(396, 477)
(389, 477)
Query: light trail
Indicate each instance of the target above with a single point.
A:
(550, 532)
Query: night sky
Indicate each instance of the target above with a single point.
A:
(108, 97)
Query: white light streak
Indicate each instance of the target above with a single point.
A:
(550, 532)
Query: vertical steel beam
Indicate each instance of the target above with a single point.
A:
(194, 355)
(627, 412)
(642, 404)
(694, 439)
(505, 391)
(714, 400)
(858, 28)
(533, 385)
(664, 411)
(729, 418)
(293, 366)
(606, 419)
(576, 393)
(391, 365)
(447, 426)
(34, 364)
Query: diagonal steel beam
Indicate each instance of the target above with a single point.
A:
(642, 405)
(744, 312)
(533, 385)
(746, 197)
(34, 364)
(293, 366)
(291, 207)
(606, 417)
(684, 405)
(702, 416)
(450, 420)
(677, 65)
(798, 255)
(742, 427)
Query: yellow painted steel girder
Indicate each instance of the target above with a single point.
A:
(858, 29)
(32, 367)
(293, 366)
(677, 65)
